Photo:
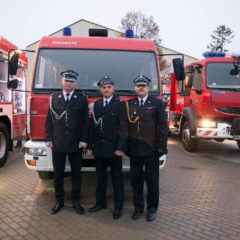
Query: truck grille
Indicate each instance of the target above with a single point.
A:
(232, 110)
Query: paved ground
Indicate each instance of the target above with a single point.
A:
(199, 199)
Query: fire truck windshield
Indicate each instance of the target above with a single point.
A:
(92, 65)
(218, 76)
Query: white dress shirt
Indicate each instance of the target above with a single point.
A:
(65, 95)
(106, 99)
(144, 100)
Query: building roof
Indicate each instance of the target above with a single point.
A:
(81, 20)
(178, 52)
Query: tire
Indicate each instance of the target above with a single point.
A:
(238, 143)
(11, 145)
(4, 144)
(190, 144)
(45, 175)
(169, 133)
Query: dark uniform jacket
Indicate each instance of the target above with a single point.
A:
(148, 135)
(108, 137)
(67, 132)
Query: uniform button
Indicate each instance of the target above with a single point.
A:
(66, 132)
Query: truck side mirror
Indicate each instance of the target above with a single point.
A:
(13, 64)
(235, 71)
(178, 68)
(12, 84)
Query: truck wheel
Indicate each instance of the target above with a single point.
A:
(45, 175)
(190, 144)
(4, 144)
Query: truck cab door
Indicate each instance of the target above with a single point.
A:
(196, 90)
(19, 105)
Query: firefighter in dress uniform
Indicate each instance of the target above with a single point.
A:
(147, 143)
(66, 132)
(108, 145)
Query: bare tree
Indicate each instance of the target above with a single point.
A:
(143, 27)
(220, 37)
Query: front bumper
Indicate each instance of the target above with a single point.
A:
(222, 131)
(44, 163)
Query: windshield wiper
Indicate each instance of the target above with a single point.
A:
(94, 92)
(229, 89)
(126, 91)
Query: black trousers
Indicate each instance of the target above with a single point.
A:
(151, 174)
(117, 179)
(59, 162)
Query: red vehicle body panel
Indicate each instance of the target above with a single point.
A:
(18, 120)
(39, 102)
(206, 103)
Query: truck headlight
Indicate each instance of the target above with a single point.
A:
(36, 151)
(206, 123)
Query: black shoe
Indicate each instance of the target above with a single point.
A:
(117, 214)
(96, 208)
(137, 214)
(57, 207)
(78, 207)
(151, 216)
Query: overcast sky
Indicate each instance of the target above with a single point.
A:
(185, 25)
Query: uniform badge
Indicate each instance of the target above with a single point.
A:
(59, 96)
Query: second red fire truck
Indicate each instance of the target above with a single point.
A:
(206, 105)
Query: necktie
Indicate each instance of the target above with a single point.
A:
(141, 103)
(67, 97)
(106, 103)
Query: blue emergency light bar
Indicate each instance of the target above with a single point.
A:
(214, 54)
(67, 31)
(129, 33)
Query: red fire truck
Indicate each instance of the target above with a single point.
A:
(122, 58)
(206, 105)
(12, 103)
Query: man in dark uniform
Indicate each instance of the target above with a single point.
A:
(66, 132)
(147, 143)
(108, 145)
